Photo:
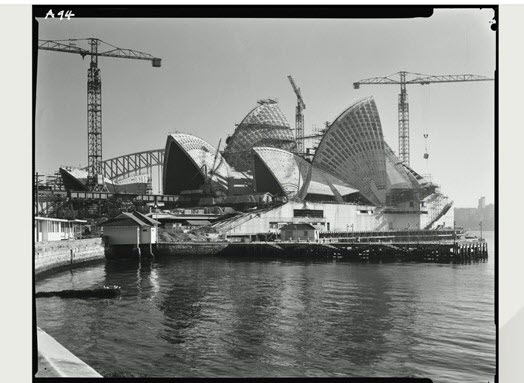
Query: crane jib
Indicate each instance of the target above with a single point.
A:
(95, 179)
(403, 106)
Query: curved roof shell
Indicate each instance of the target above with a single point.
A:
(353, 149)
(76, 180)
(283, 173)
(266, 126)
(398, 178)
(322, 183)
(190, 163)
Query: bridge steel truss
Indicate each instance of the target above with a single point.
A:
(133, 164)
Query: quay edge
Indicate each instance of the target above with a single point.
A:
(54, 360)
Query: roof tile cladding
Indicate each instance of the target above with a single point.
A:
(353, 150)
(266, 126)
(189, 161)
(296, 177)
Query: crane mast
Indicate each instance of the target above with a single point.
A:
(399, 78)
(94, 120)
(299, 117)
(403, 121)
(95, 178)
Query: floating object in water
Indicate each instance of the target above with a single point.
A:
(105, 292)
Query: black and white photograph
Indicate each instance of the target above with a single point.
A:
(265, 192)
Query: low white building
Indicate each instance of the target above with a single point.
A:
(55, 229)
(337, 217)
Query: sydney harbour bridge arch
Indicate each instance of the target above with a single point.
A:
(150, 162)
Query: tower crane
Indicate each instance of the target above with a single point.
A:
(210, 172)
(400, 78)
(94, 94)
(299, 117)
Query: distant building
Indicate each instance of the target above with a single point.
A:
(470, 218)
(482, 203)
(299, 232)
(54, 229)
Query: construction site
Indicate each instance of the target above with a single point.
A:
(342, 178)
(247, 195)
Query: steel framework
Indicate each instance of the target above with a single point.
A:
(299, 117)
(131, 164)
(403, 105)
(94, 94)
(94, 118)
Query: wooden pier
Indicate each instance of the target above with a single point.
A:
(430, 251)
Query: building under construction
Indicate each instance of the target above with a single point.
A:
(353, 182)
(348, 177)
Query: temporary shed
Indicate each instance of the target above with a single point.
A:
(130, 229)
(299, 232)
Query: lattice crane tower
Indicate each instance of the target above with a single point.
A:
(399, 78)
(299, 117)
(95, 179)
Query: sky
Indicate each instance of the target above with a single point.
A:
(214, 71)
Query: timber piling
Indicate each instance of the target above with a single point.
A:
(446, 252)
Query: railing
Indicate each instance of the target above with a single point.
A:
(392, 236)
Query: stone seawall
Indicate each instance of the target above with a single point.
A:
(190, 248)
(51, 255)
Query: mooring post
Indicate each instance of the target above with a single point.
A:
(138, 240)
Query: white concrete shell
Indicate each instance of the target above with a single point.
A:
(265, 125)
(280, 172)
(190, 163)
(353, 150)
(398, 178)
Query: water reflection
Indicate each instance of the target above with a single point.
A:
(254, 295)
(204, 316)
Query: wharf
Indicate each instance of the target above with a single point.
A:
(429, 251)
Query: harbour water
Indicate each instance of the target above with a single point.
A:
(208, 316)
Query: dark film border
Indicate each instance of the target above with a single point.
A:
(269, 11)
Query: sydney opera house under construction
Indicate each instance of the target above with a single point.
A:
(354, 181)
